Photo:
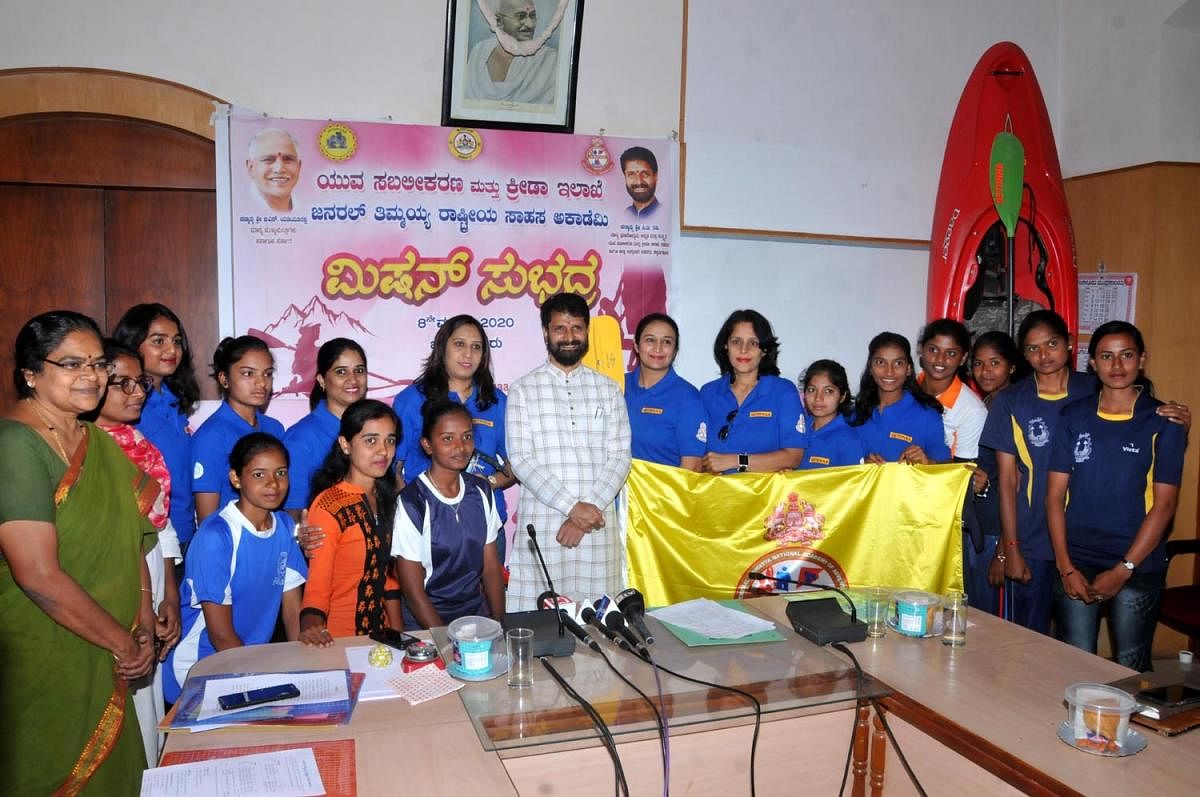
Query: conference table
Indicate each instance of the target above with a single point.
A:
(979, 719)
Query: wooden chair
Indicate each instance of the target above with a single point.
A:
(1181, 605)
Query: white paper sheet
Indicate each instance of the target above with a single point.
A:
(328, 686)
(286, 773)
(375, 681)
(712, 619)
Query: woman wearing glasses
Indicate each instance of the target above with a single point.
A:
(755, 417)
(74, 588)
(121, 408)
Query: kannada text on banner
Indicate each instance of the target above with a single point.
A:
(380, 232)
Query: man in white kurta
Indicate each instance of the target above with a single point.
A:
(568, 442)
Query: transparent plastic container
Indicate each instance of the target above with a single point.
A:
(1098, 716)
(472, 640)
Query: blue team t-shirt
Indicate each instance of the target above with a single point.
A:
(892, 429)
(1114, 465)
(213, 443)
(230, 563)
(835, 444)
(487, 424)
(166, 427)
(771, 417)
(1021, 423)
(308, 442)
(667, 420)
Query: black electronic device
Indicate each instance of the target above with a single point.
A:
(254, 697)
(549, 635)
(1170, 696)
(824, 621)
(393, 638)
(821, 620)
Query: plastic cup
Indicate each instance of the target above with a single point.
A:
(875, 611)
(954, 619)
(519, 643)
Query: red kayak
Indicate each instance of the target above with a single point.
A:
(968, 247)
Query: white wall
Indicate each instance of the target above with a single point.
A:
(1130, 83)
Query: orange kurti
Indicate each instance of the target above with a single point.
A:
(348, 575)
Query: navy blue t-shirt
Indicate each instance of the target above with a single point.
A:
(1114, 464)
(1021, 423)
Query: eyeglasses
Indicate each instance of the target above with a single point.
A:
(724, 433)
(75, 367)
(131, 384)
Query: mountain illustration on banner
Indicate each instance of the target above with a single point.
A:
(298, 333)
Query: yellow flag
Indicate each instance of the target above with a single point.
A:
(694, 535)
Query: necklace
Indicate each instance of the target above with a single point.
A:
(62, 449)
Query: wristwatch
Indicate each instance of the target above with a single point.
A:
(743, 463)
(1128, 565)
(491, 479)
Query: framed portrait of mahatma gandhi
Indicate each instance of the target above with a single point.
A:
(512, 64)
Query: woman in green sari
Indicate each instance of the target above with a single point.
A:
(75, 618)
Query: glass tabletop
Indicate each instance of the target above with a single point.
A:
(783, 675)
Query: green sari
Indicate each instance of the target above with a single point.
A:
(67, 725)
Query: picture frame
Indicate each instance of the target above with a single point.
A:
(539, 66)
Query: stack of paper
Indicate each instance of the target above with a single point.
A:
(326, 698)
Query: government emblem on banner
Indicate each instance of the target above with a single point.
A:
(794, 521)
(465, 144)
(597, 159)
(337, 142)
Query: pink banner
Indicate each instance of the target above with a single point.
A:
(379, 232)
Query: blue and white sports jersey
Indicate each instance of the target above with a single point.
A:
(486, 424)
(232, 564)
(667, 419)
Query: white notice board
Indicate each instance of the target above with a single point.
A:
(1106, 297)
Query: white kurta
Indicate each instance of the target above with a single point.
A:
(531, 79)
(568, 441)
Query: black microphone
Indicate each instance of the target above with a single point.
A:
(616, 623)
(633, 606)
(576, 629)
(820, 621)
(588, 615)
(537, 549)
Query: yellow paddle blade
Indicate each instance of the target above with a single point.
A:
(604, 348)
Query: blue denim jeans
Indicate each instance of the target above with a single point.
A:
(1132, 616)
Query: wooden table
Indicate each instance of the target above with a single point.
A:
(979, 719)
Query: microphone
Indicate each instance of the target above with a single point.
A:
(589, 616)
(497, 462)
(633, 606)
(824, 620)
(616, 623)
(537, 549)
(543, 623)
(577, 630)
